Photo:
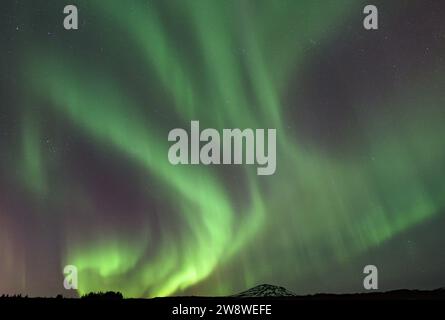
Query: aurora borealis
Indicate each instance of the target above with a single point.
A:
(84, 119)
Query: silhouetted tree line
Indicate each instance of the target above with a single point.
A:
(110, 295)
(14, 296)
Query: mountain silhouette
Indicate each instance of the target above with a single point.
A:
(265, 290)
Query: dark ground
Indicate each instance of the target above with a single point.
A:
(399, 303)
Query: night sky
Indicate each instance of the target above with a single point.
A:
(84, 118)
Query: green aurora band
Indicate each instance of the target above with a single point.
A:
(166, 63)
